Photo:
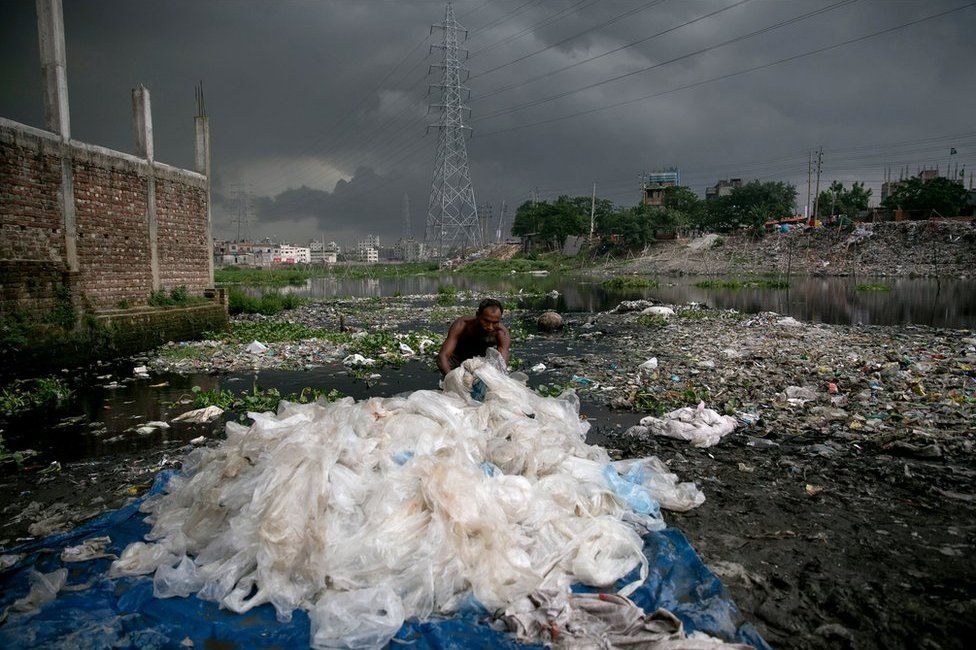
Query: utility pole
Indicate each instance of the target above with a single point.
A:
(452, 213)
(501, 223)
(809, 177)
(816, 199)
(593, 212)
(407, 226)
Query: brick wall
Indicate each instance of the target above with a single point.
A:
(112, 223)
(30, 219)
(113, 232)
(182, 243)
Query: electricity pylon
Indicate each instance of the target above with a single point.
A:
(452, 214)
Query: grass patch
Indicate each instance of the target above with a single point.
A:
(651, 320)
(231, 275)
(873, 287)
(554, 390)
(257, 399)
(177, 297)
(622, 282)
(27, 395)
(446, 295)
(764, 283)
(268, 303)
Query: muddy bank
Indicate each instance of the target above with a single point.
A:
(907, 248)
(843, 518)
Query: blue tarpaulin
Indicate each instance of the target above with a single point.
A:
(122, 612)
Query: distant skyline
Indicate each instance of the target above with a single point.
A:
(320, 107)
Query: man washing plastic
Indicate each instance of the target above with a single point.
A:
(471, 336)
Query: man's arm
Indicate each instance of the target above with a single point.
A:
(447, 348)
(504, 342)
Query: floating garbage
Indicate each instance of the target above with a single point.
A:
(256, 347)
(539, 367)
(358, 360)
(200, 415)
(369, 513)
(43, 589)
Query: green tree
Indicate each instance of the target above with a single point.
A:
(685, 206)
(942, 196)
(627, 228)
(751, 205)
(838, 200)
(551, 223)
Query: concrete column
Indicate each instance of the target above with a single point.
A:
(202, 149)
(142, 122)
(50, 32)
(143, 130)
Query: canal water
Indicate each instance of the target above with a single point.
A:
(836, 300)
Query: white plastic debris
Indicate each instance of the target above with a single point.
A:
(539, 367)
(797, 395)
(657, 310)
(430, 496)
(700, 426)
(406, 350)
(90, 549)
(256, 347)
(789, 321)
(140, 371)
(363, 618)
(43, 589)
(9, 560)
(649, 365)
(205, 414)
(198, 440)
(662, 485)
(158, 424)
(357, 360)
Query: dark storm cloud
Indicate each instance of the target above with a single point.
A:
(306, 112)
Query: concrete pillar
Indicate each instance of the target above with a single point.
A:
(201, 125)
(142, 122)
(143, 130)
(50, 32)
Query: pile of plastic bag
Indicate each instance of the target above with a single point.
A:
(369, 513)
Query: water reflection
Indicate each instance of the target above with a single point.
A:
(945, 303)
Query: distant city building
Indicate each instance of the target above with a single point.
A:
(654, 184)
(264, 253)
(369, 255)
(316, 252)
(722, 188)
(288, 254)
(408, 250)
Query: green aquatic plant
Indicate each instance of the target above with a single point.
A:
(623, 282)
(26, 395)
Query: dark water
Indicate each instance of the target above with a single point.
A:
(99, 420)
(945, 303)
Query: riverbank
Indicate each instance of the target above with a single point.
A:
(936, 249)
(839, 513)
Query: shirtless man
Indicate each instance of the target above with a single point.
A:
(471, 336)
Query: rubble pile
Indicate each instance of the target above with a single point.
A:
(905, 248)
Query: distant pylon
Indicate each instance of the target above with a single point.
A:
(501, 223)
(452, 214)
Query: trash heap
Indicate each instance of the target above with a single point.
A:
(368, 513)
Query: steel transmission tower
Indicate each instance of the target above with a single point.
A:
(452, 214)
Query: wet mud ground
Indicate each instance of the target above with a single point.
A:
(827, 536)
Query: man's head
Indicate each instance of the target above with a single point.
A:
(489, 314)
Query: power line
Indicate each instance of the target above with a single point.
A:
(737, 73)
(626, 75)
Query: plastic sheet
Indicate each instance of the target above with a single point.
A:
(700, 426)
(123, 612)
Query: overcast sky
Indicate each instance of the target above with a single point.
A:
(319, 108)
